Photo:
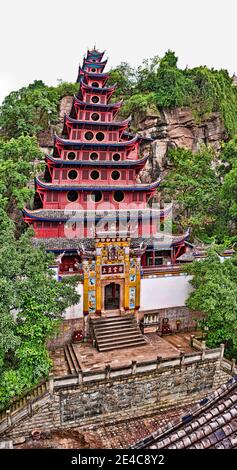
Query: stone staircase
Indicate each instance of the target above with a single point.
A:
(71, 359)
(116, 332)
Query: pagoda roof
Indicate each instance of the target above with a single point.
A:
(100, 90)
(98, 106)
(84, 124)
(88, 244)
(105, 187)
(94, 64)
(91, 145)
(97, 215)
(82, 72)
(99, 163)
(129, 135)
(95, 53)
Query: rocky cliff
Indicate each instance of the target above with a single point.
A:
(173, 128)
(170, 128)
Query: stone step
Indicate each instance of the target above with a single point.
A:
(123, 341)
(110, 334)
(115, 327)
(121, 338)
(117, 332)
(71, 358)
(131, 344)
(108, 324)
(70, 364)
(97, 321)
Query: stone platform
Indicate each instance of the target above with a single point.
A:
(90, 359)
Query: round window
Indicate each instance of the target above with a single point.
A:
(100, 136)
(95, 99)
(93, 70)
(94, 175)
(72, 174)
(96, 196)
(71, 156)
(95, 84)
(118, 196)
(72, 196)
(116, 157)
(89, 135)
(94, 156)
(95, 117)
(115, 175)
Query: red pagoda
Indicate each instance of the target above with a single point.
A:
(90, 208)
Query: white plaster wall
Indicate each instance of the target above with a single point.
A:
(75, 311)
(164, 292)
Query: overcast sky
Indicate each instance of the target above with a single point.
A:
(47, 39)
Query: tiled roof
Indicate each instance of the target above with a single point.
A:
(210, 424)
(108, 215)
(88, 244)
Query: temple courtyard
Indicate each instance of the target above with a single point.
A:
(91, 359)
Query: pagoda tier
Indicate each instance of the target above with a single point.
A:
(94, 67)
(90, 77)
(65, 244)
(84, 223)
(107, 111)
(85, 190)
(94, 161)
(71, 125)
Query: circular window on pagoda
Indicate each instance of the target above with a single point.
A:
(118, 196)
(96, 196)
(94, 156)
(115, 175)
(100, 136)
(95, 84)
(116, 157)
(72, 174)
(94, 175)
(72, 196)
(95, 99)
(89, 135)
(95, 117)
(71, 156)
(93, 70)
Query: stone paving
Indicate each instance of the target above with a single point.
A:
(90, 359)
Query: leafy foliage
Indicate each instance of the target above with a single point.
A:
(31, 304)
(215, 295)
(17, 166)
(32, 109)
(194, 185)
(160, 82)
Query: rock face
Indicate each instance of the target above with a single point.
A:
(173, 128)
(170, 128)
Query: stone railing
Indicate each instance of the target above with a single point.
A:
(135, 368)
(29, 404)
(229, 366)
(24, 406)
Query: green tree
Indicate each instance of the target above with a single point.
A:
(33, 108)
(17, 167)
(194, 187)
(31, 302)
(215, 295)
